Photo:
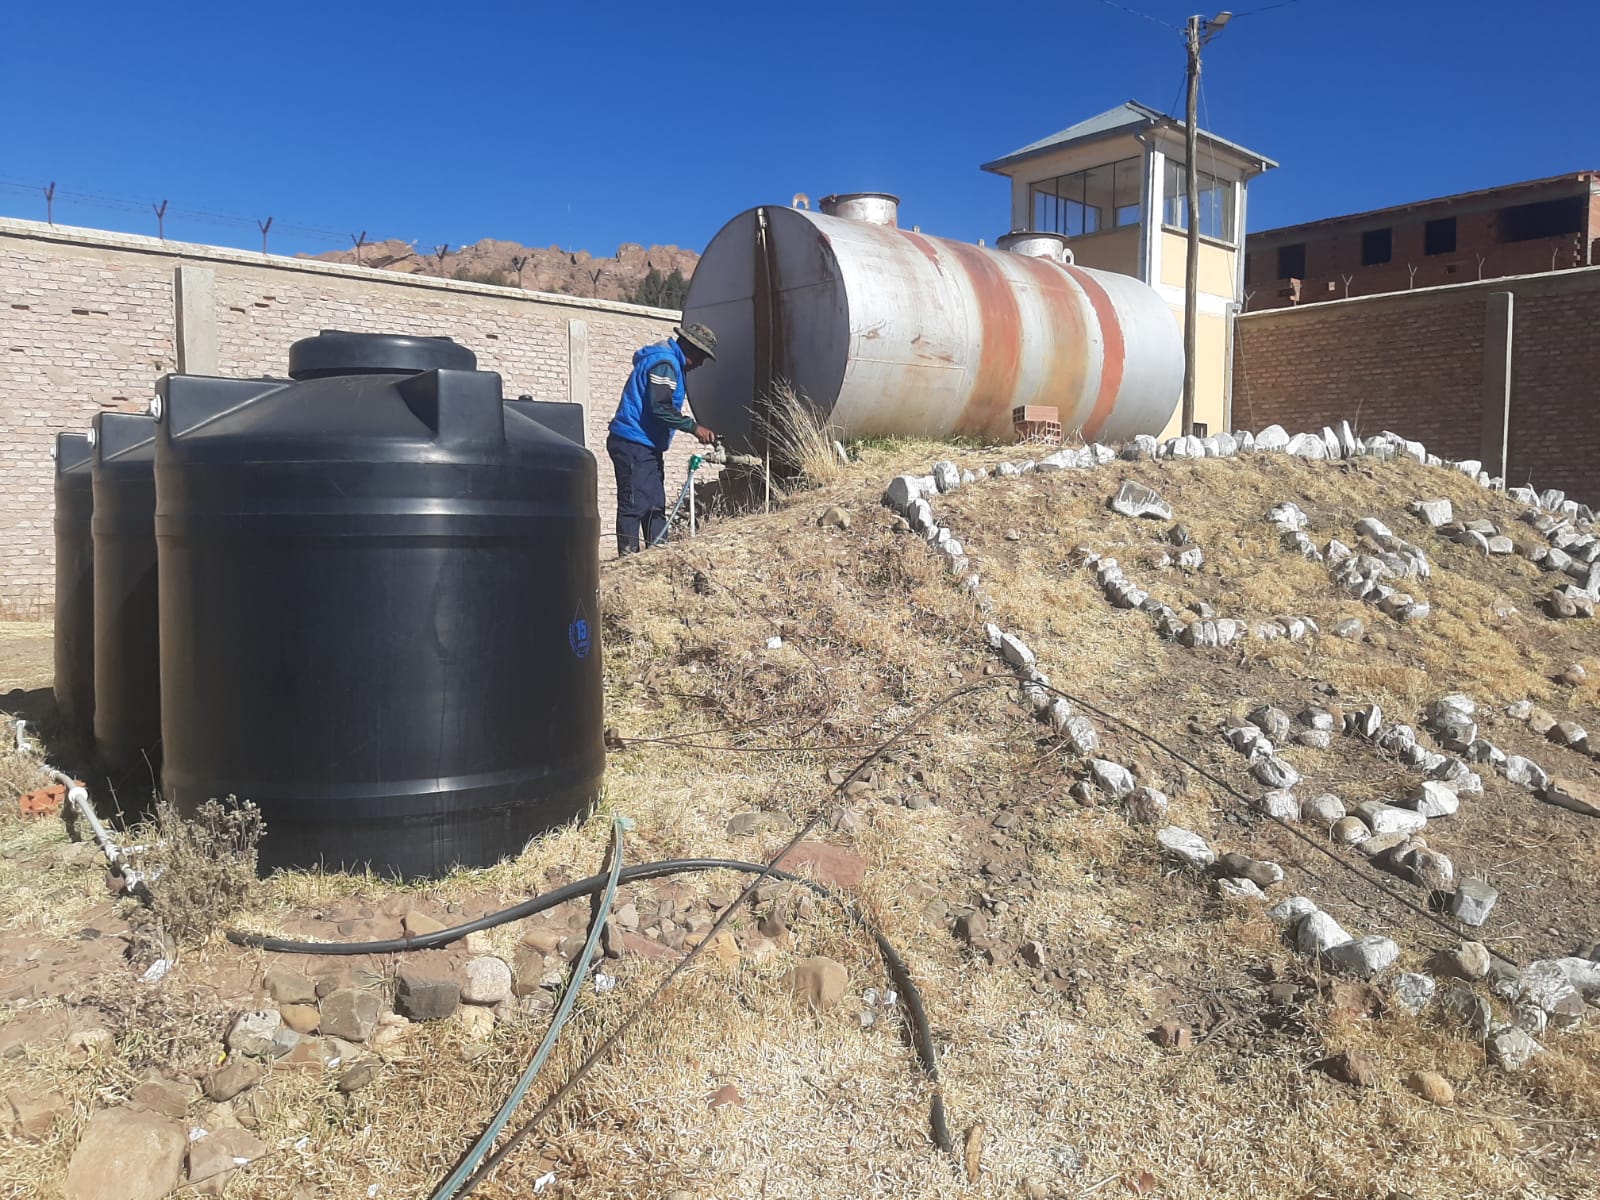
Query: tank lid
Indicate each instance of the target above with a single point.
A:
(338, 352)
(1036, 244)
(875, 208)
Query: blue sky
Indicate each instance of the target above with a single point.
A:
(590, 124)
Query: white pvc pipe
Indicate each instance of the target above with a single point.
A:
(78, 797)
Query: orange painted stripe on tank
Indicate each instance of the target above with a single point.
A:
(1068, 354)
(1116, 352)
(989, 403)
(927, 248)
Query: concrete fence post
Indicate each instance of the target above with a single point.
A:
(1497, 342)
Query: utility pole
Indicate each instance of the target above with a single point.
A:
(1199, 32)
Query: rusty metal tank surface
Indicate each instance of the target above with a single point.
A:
(889, 331)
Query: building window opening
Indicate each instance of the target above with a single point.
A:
(1107, 197)
(1292, 261)
(1547, 218)
(1377, 246)
(1439, 237)
(1216, 203)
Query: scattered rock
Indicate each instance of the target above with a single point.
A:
(1386, 818)
(1471, 1009)
(1240, 889)
(1349, 629)
(350, 1013)
(232, 1077)
(1355, 1067)
(1273, 772)
(1434, 799)
(1112, 777)
(477, 1022)
(126, 1154)
(1136, 500)
(1365, 956)
(1190, 848)
(164, 1097)
(360, 1075)
(1472, 902)
(1288, 912)
(1272, 721)
(1350, 830)
(819, 982)
(34, 1114)
(1512, 1049)
(1412, 991)
(290, 987)
(252, 1032)
(1434, 512)
(834, 517)
(214, 1158)
(1280, 805)
(1432, 1087)
(300, 1018)
(1469, 961)
(421, 997)
(1326, 809)
(1526, 773)
(1319, 933)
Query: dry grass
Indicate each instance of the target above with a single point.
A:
(1071, 1092)
(797, 437)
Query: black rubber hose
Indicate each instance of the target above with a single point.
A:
(899, 972)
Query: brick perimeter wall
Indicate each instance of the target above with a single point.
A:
(89, 321)
(1414, 362)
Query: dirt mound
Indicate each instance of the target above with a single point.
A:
(1109, 1021)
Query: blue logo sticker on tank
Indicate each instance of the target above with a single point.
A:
(578, 636)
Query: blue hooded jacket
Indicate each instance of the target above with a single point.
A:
(635, 422)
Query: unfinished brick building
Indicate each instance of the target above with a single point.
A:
(1517, 229)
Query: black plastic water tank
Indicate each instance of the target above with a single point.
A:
(74, 628)
(379, 609)
(127, 693)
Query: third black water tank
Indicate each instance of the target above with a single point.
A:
(74, 626)
(379, 609)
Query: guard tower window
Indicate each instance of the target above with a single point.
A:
(1439, 237)
(1088, 201)
(1377, 246)
(1292, 261)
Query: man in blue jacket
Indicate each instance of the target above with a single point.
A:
(650, 412)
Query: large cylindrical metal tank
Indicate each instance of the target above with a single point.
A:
(74, 623)
(379, 609)
(889, 331)
(127, 665)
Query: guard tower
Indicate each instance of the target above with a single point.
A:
(1114, 185)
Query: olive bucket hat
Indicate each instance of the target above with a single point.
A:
(700, 337)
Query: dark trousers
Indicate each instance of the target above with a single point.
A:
(641, 492)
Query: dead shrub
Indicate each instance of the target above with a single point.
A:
(199, 870)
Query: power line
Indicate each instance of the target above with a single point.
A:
(1262, 9)
(1134, 12)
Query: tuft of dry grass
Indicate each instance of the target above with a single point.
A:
(797, 437)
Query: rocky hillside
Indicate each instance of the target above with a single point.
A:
(552, 269)
(1231, 805)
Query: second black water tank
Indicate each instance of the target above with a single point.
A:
(74, 623)
(127, 692)
(379, 609)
